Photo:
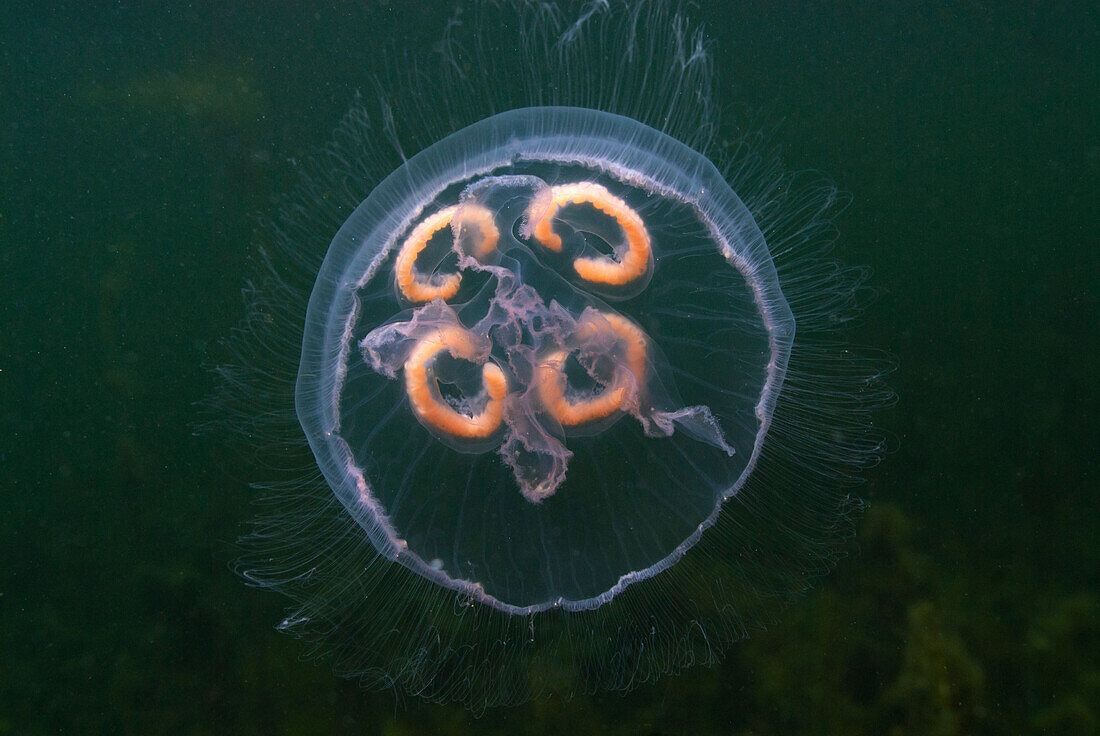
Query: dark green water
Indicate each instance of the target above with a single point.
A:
(140, 144)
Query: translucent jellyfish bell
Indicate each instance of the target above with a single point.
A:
(581, 394)
(521, 422)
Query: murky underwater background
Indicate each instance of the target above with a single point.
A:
(140, 143)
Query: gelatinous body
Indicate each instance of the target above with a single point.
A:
(582, 397)
(516, 281)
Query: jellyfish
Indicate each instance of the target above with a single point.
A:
(559, 373)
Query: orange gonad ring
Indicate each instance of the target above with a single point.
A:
(427, 402)
(413, 285)
(577, 412)
(633, 261)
